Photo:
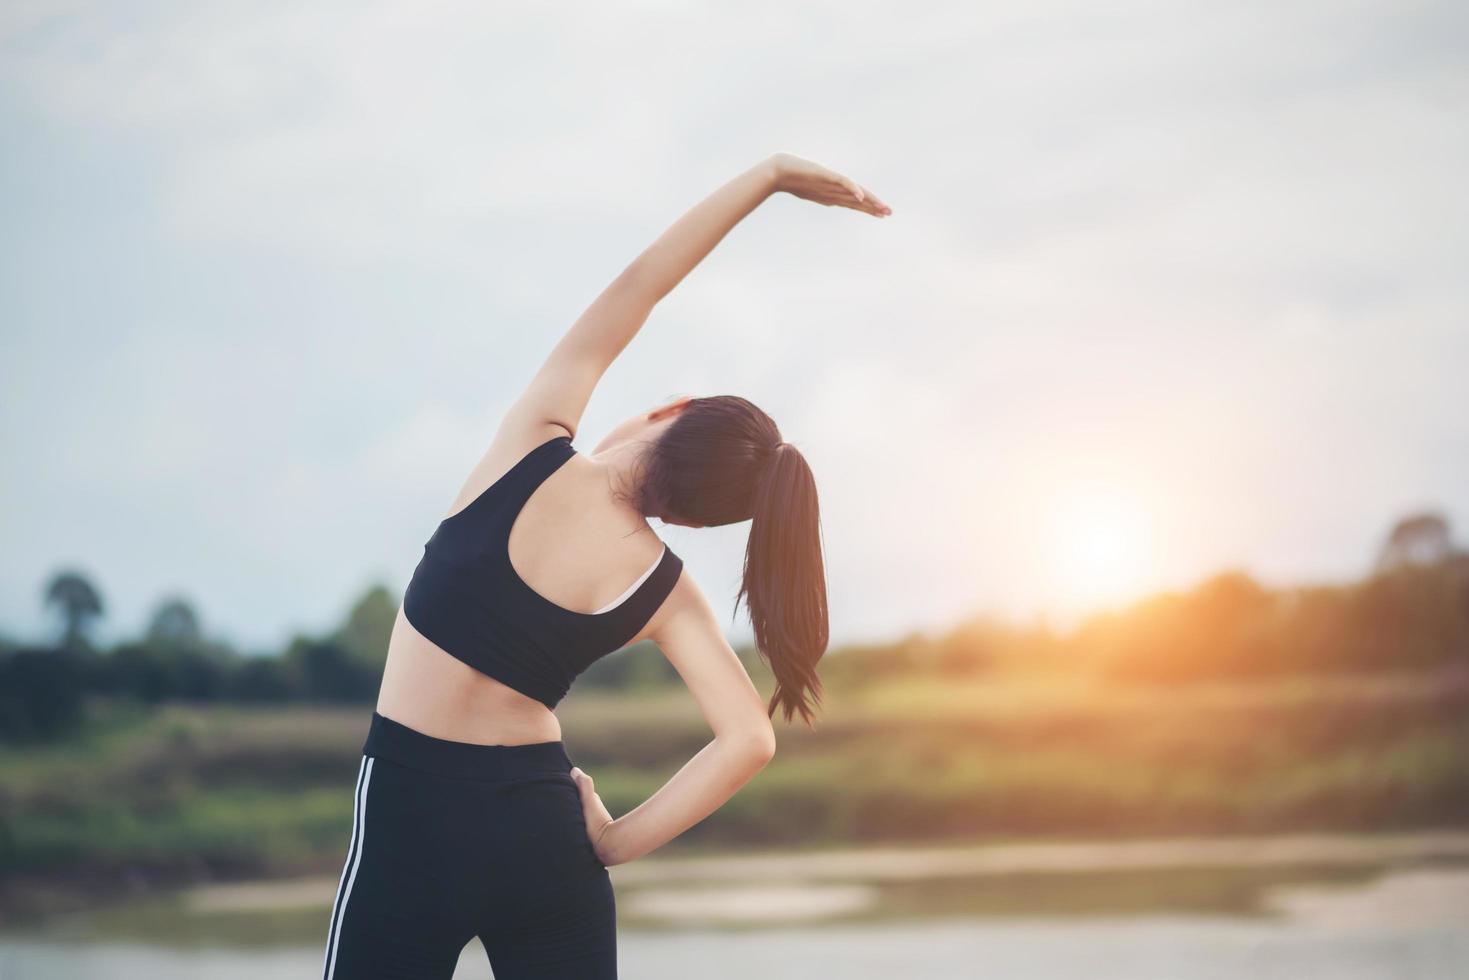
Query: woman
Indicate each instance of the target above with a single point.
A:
(469, 819)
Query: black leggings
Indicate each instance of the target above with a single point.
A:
(452, 840)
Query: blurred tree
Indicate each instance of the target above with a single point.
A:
(1227, 625)
(195, 675)
(263, 680)
(1232, 621)
(175, 624)
(135, 670)
(330, 673)
(79, 604)
(639, 666)
(369, 626)
(1418, 539)
(40, 693)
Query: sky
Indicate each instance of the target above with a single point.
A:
(1168, 289)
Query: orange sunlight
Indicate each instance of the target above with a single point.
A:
(1099, 543)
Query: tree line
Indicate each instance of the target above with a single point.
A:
(44, 688)
(1411, 612)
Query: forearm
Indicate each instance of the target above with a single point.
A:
(686, 242)
(702, 786)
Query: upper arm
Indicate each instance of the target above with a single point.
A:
(553, 402)
(689, 634)
(561, 389)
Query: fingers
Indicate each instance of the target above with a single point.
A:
(881, 209)
(853, 195)
(831, 189)
(867, 205)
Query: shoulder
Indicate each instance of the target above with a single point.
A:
(685, 608)
(513, 442)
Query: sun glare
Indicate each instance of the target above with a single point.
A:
(1099, 544)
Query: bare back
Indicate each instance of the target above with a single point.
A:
(573, 543)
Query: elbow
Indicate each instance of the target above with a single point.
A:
(758, 746)
(639, 284)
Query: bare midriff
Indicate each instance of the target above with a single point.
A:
(436, 694)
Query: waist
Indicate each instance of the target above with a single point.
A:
(426, 689)
(395, 742)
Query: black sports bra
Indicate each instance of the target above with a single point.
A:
(467, 599)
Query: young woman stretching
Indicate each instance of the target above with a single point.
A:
(469, 818)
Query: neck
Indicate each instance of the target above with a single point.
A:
(618, 463)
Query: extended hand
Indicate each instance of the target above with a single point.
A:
(813, 182)
(599, 820)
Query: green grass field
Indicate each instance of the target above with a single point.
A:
(185, 793)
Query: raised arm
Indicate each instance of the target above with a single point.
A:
(689, 634)
(559, 392)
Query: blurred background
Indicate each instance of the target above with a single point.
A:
(1139, 430)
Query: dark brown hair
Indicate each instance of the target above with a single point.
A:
(721, 461)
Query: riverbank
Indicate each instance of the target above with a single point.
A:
(762, 889)
(927, 863)
(1332, 907)
(143, 801)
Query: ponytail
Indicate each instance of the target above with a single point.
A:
(784, 584)
(722, 461)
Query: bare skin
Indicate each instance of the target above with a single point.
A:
(579, 543)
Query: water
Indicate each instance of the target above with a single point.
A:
(1404, 920)
(1142, 949)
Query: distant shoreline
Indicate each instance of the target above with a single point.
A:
(922, 862)
(1236, 875)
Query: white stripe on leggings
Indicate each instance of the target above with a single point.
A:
(351, 852)
(349, 870)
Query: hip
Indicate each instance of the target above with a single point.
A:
(499, 806)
